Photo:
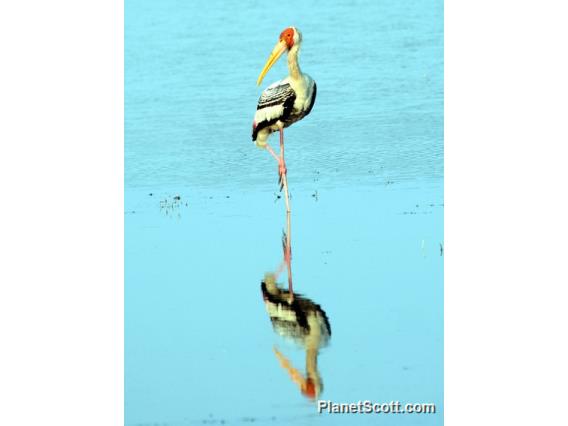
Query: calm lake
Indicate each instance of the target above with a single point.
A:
(204, 221)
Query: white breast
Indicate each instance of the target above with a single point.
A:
(303, 89)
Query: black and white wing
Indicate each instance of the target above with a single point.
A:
(275, 103)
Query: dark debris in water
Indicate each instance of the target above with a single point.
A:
(211, 420)
(171, 206)
(316, 177)
(424, 206)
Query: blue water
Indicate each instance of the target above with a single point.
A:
(203, 223)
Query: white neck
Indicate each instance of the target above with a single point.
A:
(293, 66)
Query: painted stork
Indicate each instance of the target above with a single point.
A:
(297, 318)
(302, 321)
(283, 102)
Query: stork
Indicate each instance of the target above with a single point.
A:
(302, 321)
(284, 102)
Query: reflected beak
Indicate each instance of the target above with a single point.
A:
(278, 50)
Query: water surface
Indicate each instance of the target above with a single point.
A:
(203, 224)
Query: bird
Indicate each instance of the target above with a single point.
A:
(296, 318)
(284, 102)
(304, 322)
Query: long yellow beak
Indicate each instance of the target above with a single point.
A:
(278, 50)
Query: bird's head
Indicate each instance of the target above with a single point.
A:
(309, 389)
(289, 38)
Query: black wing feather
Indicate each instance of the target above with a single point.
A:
(282, 94)
(276, 95)
(313, 99)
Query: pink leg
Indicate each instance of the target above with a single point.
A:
(288, 260)
(280, 160)
(282, 164)
(283, 172)
(287, 246)
(271, 151)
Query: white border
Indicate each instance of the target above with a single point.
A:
(61, 218)
(506, 211)
(61, 226)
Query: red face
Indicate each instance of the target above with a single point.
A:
(288, 37)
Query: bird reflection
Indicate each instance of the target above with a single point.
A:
(299, 319)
